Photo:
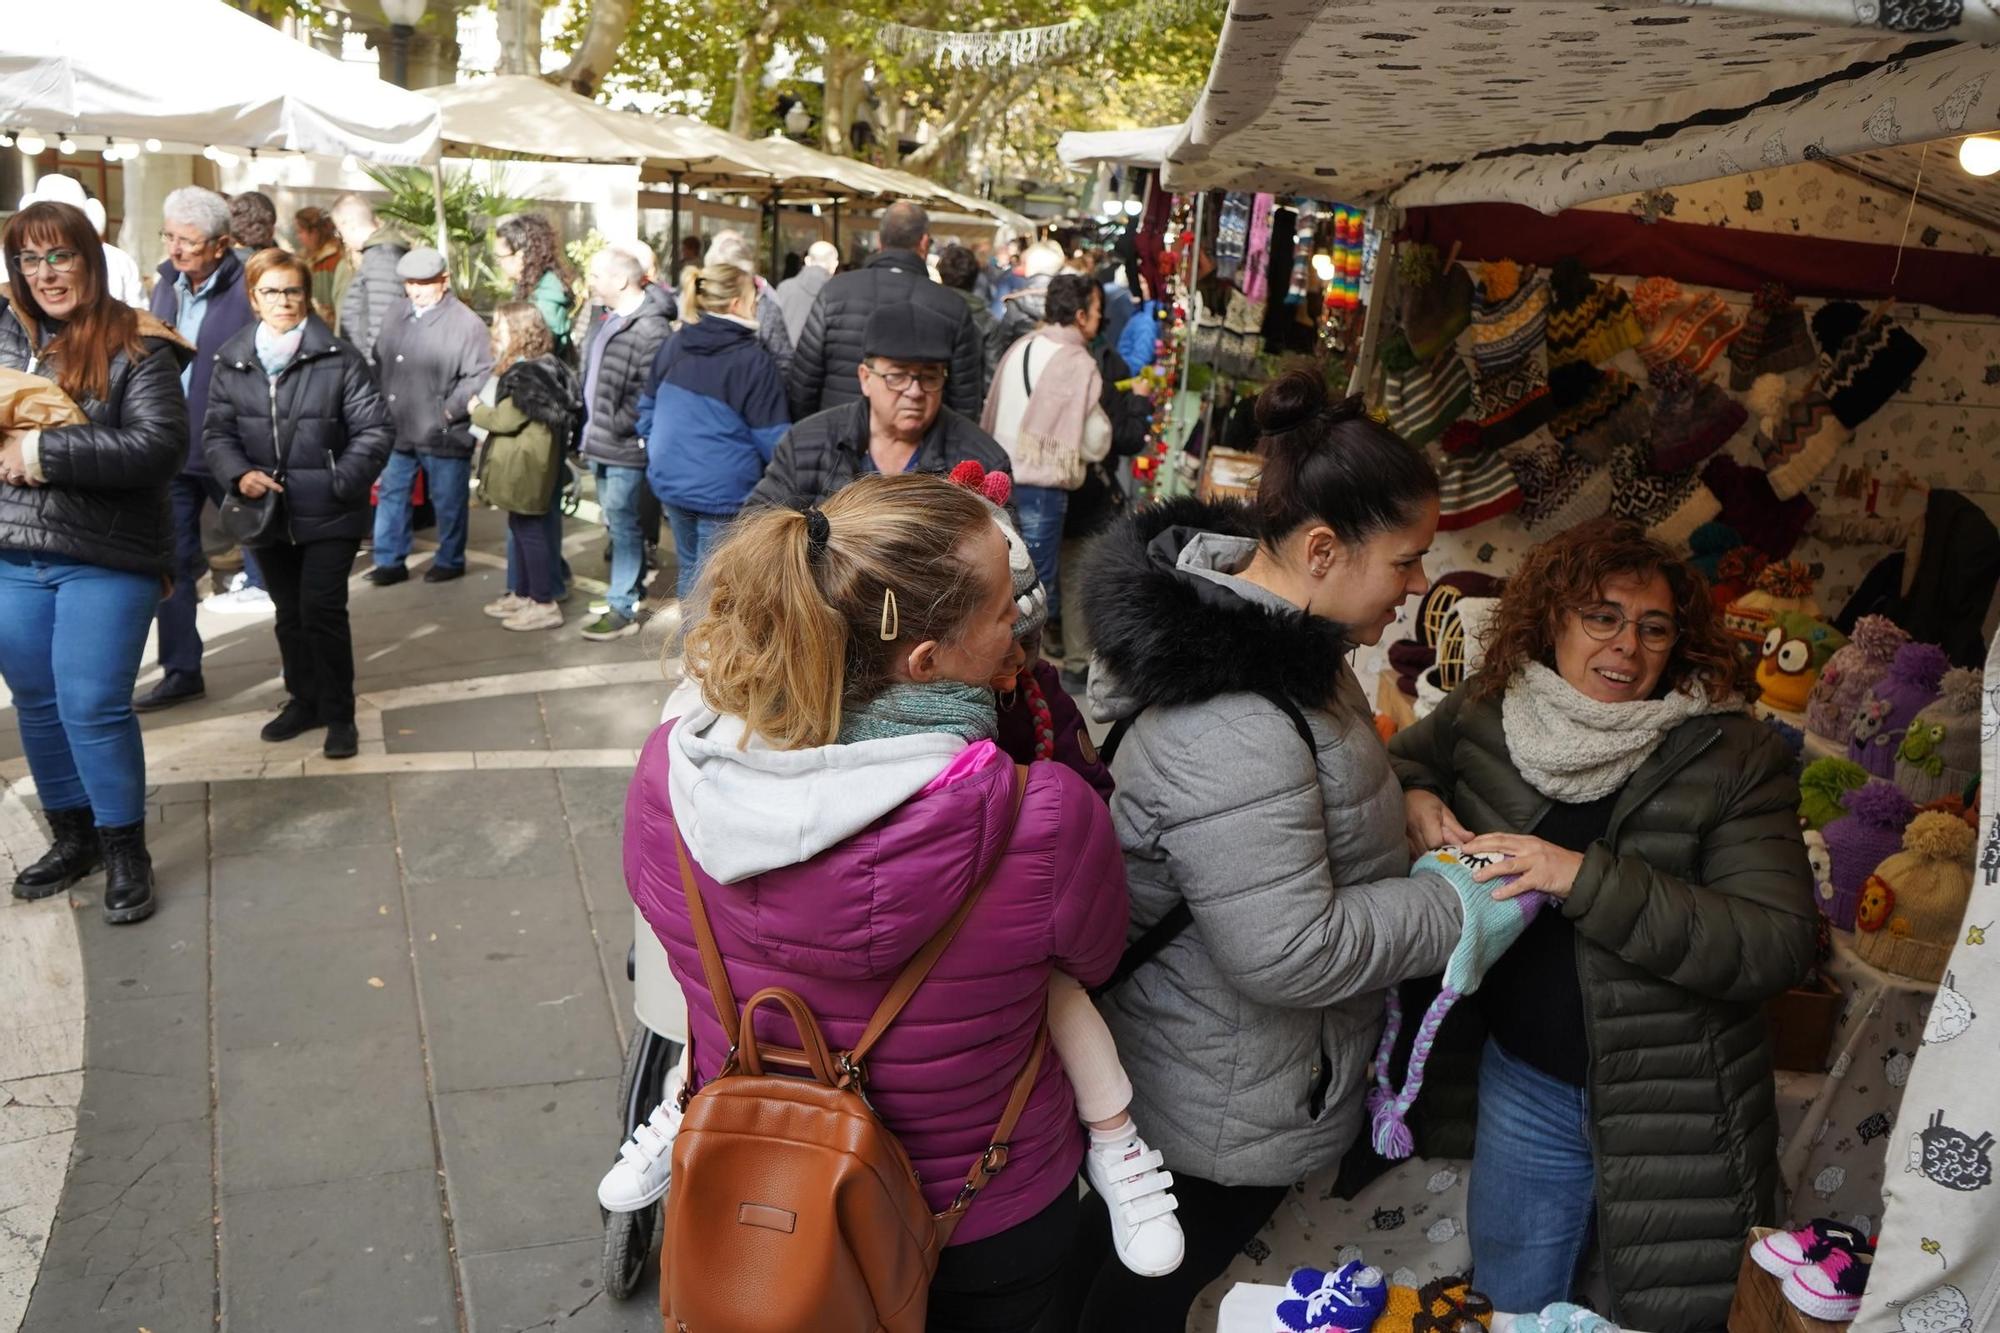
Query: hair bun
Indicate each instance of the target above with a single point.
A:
(1291, 400)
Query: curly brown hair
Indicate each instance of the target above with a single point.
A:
(1570, 570)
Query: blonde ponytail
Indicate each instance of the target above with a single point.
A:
(712, 290)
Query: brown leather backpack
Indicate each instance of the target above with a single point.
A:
(792, 1205)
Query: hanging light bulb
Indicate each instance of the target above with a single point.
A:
(6, 141)
(112, 152)
(1323, 266)
(1133, 208)
(1979, 155)
(152, 145)
(209, 152)
(68, 145)
(34, 145)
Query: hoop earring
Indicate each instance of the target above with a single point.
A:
(892, 620)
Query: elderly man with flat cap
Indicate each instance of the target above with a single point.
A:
(432, 355)
(899, 424)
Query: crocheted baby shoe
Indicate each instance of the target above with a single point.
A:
(1564, 1317)
(1782, 1251)
(1830, 1289)
(1347, 1300)
(1490, 926)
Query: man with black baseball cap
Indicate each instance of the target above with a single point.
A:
(899, 424)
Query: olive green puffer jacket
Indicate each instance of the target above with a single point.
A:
(1693, 910)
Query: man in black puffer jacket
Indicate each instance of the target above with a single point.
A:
(829, 350)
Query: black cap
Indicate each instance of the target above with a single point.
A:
(906, 331)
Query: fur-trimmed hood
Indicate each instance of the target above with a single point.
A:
(1169, 626)
(545, 390)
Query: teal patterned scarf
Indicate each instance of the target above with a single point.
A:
(965, 711)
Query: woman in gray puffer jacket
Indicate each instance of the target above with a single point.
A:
(1220, 637)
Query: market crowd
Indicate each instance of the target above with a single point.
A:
(1176, 955)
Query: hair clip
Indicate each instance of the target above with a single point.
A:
(892, 621)
(818, 533)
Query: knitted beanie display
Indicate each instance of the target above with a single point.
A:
(1692, 418)
(1423, 397)
(1510, 391)
(1822, 786)
(1772, 525)
(1784, 586)
(1846, 680)
(1864, 364)
(1774, 338)
(1559, 488)
(1868, 833)
(1589, 321)
(1909, 686)
(1797, 435)
(1707, 544)
(1437, 300)
(1347, 1300)
(1595, 411)
(1923, 890)
(1796, 648)
(1736, 570)
(1489, 927)
(1696, 511)
(1939, 754)
(1647, 497)
(1473, 489)
(1691, 330)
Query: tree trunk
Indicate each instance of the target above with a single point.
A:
(520, 23)
(842, 66)
(977, 104)
(603, 34)
(751, 59)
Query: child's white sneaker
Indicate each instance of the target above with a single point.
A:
(646, 1162)
(1139, 1196)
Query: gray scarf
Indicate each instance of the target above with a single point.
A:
(1572, 748)
(965, 711)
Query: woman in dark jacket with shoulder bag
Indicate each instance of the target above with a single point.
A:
(293, 415)
(1604, 753)
(84, 542)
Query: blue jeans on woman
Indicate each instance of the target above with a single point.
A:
(695, 535)
(1532, 1197)
(71, 636)
(1041, 509)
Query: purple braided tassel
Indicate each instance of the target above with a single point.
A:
(1391, 1135)
(1385, 1050)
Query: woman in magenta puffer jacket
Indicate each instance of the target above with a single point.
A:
(845, 643)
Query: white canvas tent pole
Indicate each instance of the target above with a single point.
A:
(437, 199)
(1384, 218)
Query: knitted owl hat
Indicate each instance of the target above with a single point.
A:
(1847, 679)
(1868, 834)
(1821, 787)
(1796, 647)
(1774, 338)
(1939, 754)
(1490, 926)
(1923, 890)
(1908, 687)
(1589, 321)
(1031, 599)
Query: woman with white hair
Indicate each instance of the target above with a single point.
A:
(729, 247)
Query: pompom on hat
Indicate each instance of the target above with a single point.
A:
(1692, 330)
(1822, 785)
(1031, 599)
(1847, 679)
(1909, 686)
(1707, 545)
(1774, 338)
(1868, 833)
(1939, 754)
(1784, 586)
(1489, 927)
(1589, 321)
(1923, 890)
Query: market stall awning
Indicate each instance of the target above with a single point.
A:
(523, 116)
(1555, 102)
(1080, 149)
(200, 72)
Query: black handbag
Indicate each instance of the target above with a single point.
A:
(258, 522)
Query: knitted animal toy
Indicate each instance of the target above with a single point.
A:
(1821, 787)
(1869, 834)
(1442, 1303)
(1939, 755)
(1846, 680)
(1910, 686)
(1796, 648)
(1347, 1300)
(1490, 926)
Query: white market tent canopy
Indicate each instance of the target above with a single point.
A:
(126, 68)
(1550, 103)
(1080, 149)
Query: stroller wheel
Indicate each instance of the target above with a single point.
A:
(628, 1245)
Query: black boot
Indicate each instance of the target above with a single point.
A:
(128, 874)
(72, 854)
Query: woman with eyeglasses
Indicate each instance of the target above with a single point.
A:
(530, 257)
(84, 544)
(1604, 753)
(293, 412)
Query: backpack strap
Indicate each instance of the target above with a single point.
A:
(712, 970)
(1178, 918)
(991, 1162)
(913, 974)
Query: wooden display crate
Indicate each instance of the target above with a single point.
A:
(1761, 1308)
(1802, 1023)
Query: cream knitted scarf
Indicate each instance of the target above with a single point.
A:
(1573, 748)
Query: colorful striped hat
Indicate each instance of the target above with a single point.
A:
(1589, 321)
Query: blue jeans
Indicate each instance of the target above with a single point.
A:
(552, 533)
(448, 482)
(1532, 1197)
(618, 500)
(180, 640)
(695, 535)
(71, 636)
(1041, 509)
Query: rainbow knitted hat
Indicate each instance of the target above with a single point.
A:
(1490, 926)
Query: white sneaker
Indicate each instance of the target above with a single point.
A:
(1139, 1195)
(244, 601)
(535, 615)
(646, 1162)
(506, 604)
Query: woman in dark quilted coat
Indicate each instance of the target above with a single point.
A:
(293, 409)
(1604, 753)
(83, 543)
